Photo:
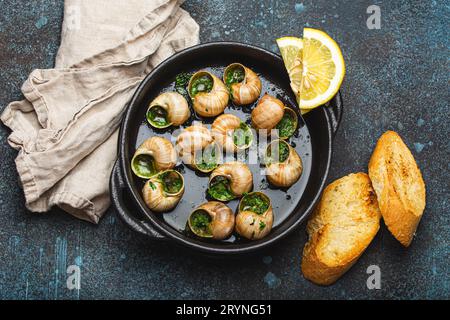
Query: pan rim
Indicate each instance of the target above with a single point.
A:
(175, 235)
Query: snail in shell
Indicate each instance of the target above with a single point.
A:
(270, 113)
(163, 191)
(231, 133)
(196, 147)
(154, 155)
(283, 164)
(212, 219)
(243, 83)
(169, 108)
(229, 181)
(255, 216)
(208, 93)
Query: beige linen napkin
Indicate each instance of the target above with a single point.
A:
(66, 129)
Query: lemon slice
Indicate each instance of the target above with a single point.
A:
(315, 66)
(290, 48)
(291, 52)
(323, 70)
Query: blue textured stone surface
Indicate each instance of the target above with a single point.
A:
(396, 79)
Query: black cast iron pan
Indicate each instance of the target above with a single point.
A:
(313, 142)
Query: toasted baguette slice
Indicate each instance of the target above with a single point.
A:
(399, 186)
(343, 224)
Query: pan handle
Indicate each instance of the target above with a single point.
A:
(335, 111)
(117, 189)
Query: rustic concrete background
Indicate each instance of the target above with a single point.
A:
(397, 78)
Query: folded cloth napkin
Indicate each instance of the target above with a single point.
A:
(66, 129)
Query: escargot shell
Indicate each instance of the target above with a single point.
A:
(175, 107)
(223, 130)
(246, 91)
(159, 192)
(252, 225)
(239, 176)
(192, 139)
(153, 155)
(285, 174)
(212, 103)
(221, 223)
(268, 112)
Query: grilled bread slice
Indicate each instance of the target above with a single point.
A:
(343, 224)
(399, 186)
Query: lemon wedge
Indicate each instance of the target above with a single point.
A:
(323, 69)
(290, 49)
(315, 66)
